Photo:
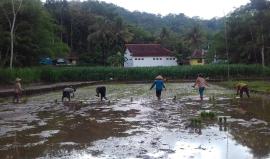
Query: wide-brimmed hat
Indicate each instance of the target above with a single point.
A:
(159, 77)
(18, 79)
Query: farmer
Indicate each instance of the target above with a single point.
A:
(201, 83)
(159, 83)
(102, 91)
(242, 87)
(17, 90)
(67, 91)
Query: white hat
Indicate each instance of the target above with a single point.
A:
(159, 77)
(18, 79)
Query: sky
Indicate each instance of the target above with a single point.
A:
(205, 9)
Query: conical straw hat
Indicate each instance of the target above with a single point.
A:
(159, 77)
(18, 79)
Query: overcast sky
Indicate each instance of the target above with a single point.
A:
(203, 8)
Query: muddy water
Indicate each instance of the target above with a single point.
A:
(135, 125)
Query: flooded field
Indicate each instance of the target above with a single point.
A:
(133, 124)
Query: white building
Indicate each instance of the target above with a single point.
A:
(147, 55)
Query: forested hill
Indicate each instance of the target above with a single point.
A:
(153, 23)
(97, 32)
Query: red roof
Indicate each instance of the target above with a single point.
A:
(142, 50)
(197, 54)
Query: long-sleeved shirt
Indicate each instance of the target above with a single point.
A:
(159, 84)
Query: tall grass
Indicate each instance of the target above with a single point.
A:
(28, 75)
(63, 74)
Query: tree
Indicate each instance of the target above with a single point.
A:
(35, 35)
(260, 6)
(195, 37)
(100, 38)
(116, 60)
(164, 34)
(107, 37)
(11, 17)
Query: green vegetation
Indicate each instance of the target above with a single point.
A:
(97, 31)
(61, 74)
(196, 122)
(28, 75)
(247, 31)
(248, 34)
(35, 34)
(257, 86)
(208, 115)
(204, 116)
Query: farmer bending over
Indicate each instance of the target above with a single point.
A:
(102, 91)
(242, 87)
(67, 91)
(159, 85)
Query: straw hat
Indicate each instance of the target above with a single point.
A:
(18, 79)
(159, 77)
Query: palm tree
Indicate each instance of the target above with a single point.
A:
(108, 36)
(99, 37)
(164, 34)
(194, 37)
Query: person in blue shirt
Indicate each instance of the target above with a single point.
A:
(159, 83)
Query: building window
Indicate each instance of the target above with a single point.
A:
(160, 58)
(199, 60)
(135, 58)
(139, 59)
(142, 58)
(173, 58)
(153, 58)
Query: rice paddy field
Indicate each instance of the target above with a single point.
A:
(134, 124)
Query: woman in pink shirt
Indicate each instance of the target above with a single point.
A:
(201, 83)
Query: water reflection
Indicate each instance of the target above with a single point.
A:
(135, 125)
